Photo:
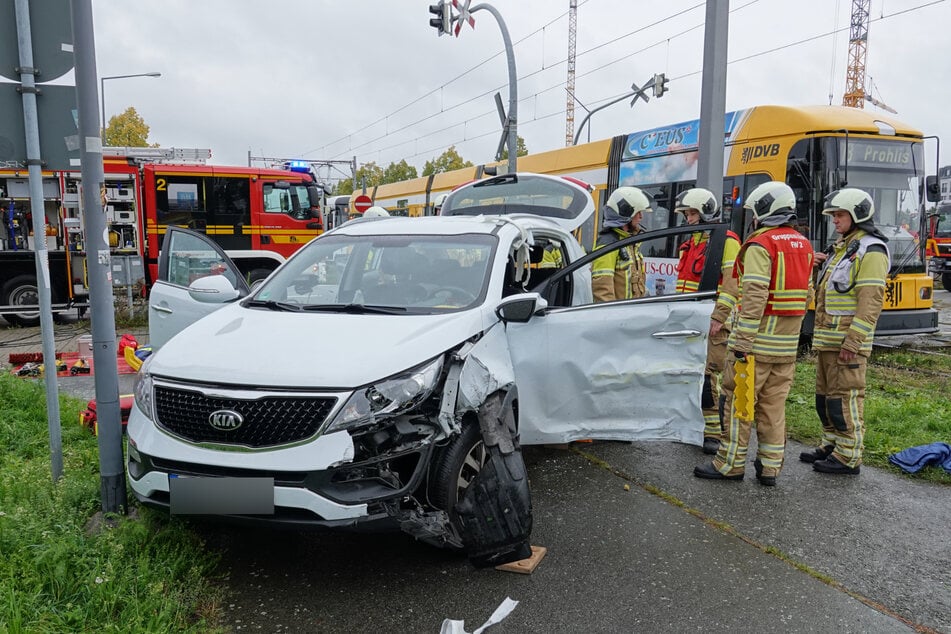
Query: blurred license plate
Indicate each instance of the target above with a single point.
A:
(221, 496)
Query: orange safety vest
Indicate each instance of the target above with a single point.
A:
(791, 256)
(693, 255)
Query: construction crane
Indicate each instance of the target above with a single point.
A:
(570, 108)
(855, 94)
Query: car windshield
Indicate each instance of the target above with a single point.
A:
(942, 227)
(382, 274)
(517, 193)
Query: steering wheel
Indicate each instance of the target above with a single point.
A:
(455, 291)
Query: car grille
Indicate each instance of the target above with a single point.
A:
(944, 249)
(268, 421)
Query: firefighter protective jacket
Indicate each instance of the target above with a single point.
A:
(774, 275)
(850, 293)
(693, 255)
(620, 274)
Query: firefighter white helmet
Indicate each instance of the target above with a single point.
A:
(772, 199)
(700, 199)
(440, 199)
(855, 201)
(623, 204)
(375, 212)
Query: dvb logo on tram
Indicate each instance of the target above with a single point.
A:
(759, 151)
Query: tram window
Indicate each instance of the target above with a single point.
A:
(662, 216)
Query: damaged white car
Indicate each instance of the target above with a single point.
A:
(391, 370)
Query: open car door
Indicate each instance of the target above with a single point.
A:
(624, 370)
(195, 278)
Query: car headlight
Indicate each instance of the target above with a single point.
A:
(392, 396)
(143, 390)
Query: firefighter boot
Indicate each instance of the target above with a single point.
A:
(833, 466)
(766, 481)
(708, 472)
(816, 454)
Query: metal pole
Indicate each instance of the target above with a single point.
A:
(31, 126)
(512, 118)
(591, 112)
(102, 96)
(112, 485)
(713, 97)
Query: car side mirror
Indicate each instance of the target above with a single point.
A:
(213, 289)
(520, 308)
(932, 189)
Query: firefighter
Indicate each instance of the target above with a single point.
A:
(774, 273)
(698, 205)
(849, 298)
(620, 274)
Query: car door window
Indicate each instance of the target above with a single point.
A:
(662, 246)
(624, 370)
(191, 257)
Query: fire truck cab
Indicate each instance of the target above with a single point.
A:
(939, 244)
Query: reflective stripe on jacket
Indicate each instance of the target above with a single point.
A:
(763, 267)
(791, 256)
(619, 274)
(851, 291)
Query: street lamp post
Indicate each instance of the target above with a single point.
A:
(102, 93)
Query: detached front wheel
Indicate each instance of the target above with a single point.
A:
(481, 481)
(461, 461)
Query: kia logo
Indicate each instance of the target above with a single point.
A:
(225, 420)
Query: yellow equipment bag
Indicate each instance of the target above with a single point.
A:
(744, 395)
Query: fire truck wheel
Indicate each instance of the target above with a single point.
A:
(22, 290)
(946, 281)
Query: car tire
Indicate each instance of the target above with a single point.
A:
(22, 290)
(458, 464)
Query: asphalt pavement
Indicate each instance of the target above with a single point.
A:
(635, 544)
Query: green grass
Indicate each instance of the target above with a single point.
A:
(906, 405)
(147, 573)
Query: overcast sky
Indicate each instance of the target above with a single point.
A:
(333, 79)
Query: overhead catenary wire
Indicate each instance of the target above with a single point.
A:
(560, 84)
(444, 109)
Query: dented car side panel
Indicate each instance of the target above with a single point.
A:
(623, 371)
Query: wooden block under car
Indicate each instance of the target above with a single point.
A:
(525, 566)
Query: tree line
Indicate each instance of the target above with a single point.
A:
(129, 129)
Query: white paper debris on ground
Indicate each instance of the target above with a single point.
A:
(450, 626)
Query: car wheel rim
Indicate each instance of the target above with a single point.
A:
(471, 466)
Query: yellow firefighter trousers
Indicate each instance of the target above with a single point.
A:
(840, 404)
(712, 392)
(772, 382)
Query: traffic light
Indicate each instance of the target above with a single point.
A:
(442, 21)
(660, 84)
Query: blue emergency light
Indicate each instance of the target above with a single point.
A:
(297, 166)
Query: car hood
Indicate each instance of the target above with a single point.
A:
(244, 346)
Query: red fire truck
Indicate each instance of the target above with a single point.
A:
(939, 244)
(259, 215)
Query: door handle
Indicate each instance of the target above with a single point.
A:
(162, 309)
(676, 334)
